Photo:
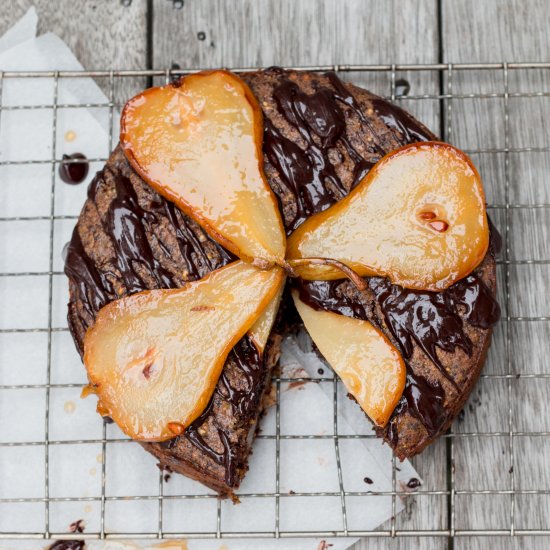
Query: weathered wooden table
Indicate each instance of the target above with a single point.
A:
(505, 122)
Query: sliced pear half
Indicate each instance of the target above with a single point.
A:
(199, 143)
(154, 358)
(418, 218)
(261, 329)
(371, 369)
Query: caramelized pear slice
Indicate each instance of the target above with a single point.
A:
(261, 329)
(418, 218)
(199, 144)
(371, 369)
(154, 358)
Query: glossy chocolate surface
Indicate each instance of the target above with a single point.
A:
(126, 223)
(430, 320)
(320, 121)
(248, 360)
(308, 173)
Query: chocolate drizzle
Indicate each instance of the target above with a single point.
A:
(93, 285)
(225, 457)
(331, 296)
(424, 400)
(343, 94)
(308, 173)
(248, 360)
(245, 400)
(428, 319)
(294, 169)
(400, 122)
(480, 307)
(320, 121)
(133, 263)
(128, 223)
(197, 261)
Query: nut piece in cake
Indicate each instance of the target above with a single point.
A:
(418, 218)
(199, 144)
(154, 358)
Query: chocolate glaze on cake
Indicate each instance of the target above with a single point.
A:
(141, 241)
(321, 136)
(248, 360)
(127, 223)
(412, 319)
(429, 320)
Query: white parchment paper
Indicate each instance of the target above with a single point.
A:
(306, 465)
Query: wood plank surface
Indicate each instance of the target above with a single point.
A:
(103, 34)
(512, 31)
(212, 33)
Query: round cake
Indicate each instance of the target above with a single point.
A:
(321, 137)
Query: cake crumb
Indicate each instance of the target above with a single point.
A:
(77, 526)
(270, 397)
(298, 384)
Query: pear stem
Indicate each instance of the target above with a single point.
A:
(352, 275)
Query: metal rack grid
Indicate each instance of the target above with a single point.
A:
(446, 97)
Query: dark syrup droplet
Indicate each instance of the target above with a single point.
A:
(174, 78)
(402, 87)
(368, 480)
(201, 36)
(413, 483)
(320, 371)
(75, 172)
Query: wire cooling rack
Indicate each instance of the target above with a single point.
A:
(508, 494)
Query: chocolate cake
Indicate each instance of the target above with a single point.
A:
(321, 137)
